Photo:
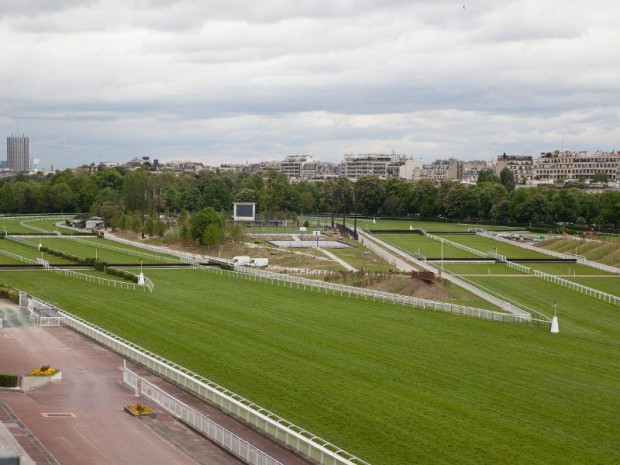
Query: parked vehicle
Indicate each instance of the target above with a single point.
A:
(241, 260)
(259, 262)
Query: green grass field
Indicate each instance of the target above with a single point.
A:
(13, 225)
(97, 249)
(607, 253)
(430, 248)
(390, 384)
(30, 252)
(484, 244)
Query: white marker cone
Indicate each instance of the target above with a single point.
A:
(141, 279)
(554, 325)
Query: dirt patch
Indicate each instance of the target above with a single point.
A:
(405, 285)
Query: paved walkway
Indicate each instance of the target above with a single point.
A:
(337, 259)
(92, 427)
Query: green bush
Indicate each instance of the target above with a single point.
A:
(9, 293)
(122, 274)
(8, 380)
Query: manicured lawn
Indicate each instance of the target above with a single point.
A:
(484, 244)
(30, 252)
(360, 257)
(390, 384)
(98, 249)
(13, 225)
(430, 248)
(479, 268)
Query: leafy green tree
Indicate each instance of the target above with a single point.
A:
(328, 197)
(213, 235)
(205, 217)
(487, 175)
(500, 212)
(62, 198)
(246, 195)
(507, 178)
(424, 195)
(369, 194)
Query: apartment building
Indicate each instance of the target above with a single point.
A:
(558, 165)
(376, 164)
(18, 153)
(522, 167)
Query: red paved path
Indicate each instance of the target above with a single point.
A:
(100, 432)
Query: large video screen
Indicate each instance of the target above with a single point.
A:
(244, 210)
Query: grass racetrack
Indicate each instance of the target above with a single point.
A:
(390, 384)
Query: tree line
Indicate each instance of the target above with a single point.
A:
(129, 196)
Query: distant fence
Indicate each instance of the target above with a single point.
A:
(604, 296)
(26, 222)
(135, 253)
(192, 417)
(398, 299)
(292, 436)
(502, 303)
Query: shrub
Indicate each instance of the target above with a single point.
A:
(9, 293)
(8, 380)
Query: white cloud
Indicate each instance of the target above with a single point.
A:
(111, 79)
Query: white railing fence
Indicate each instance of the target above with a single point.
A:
(292, 436)
(456, 245)
(519, 316)
(604, 296)
(609, 298)
(18, 257)
(41, 313)
(96, 243)
(502, 303)
(218, 434)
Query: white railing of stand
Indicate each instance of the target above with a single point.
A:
(292, 436)
(200, 422)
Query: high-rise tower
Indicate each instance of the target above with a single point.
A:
(18, 153)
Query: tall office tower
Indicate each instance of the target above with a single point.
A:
(18, 153)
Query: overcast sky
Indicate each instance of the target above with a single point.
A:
(246, 80)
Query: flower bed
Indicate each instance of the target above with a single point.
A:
(45, 370)
(140, 410)
(40, 377)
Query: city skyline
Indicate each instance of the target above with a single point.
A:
(92, 82)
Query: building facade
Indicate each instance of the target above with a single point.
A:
(18, 153)
(557, 166)
(376, 164)
(522, 167)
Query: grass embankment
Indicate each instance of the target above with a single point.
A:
(391, 384)
(484, 244)
(606, 252)
(415, 243)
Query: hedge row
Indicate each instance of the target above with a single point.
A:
(9, 381)
(121, 274)
(90, 261)
(9, 293)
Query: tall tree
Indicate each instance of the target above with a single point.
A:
(369, 194)
(507, 178)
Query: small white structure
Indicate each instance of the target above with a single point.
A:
(141, 279)
(259, 262)
(241, 260)
(554, 325)
(94, 222)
